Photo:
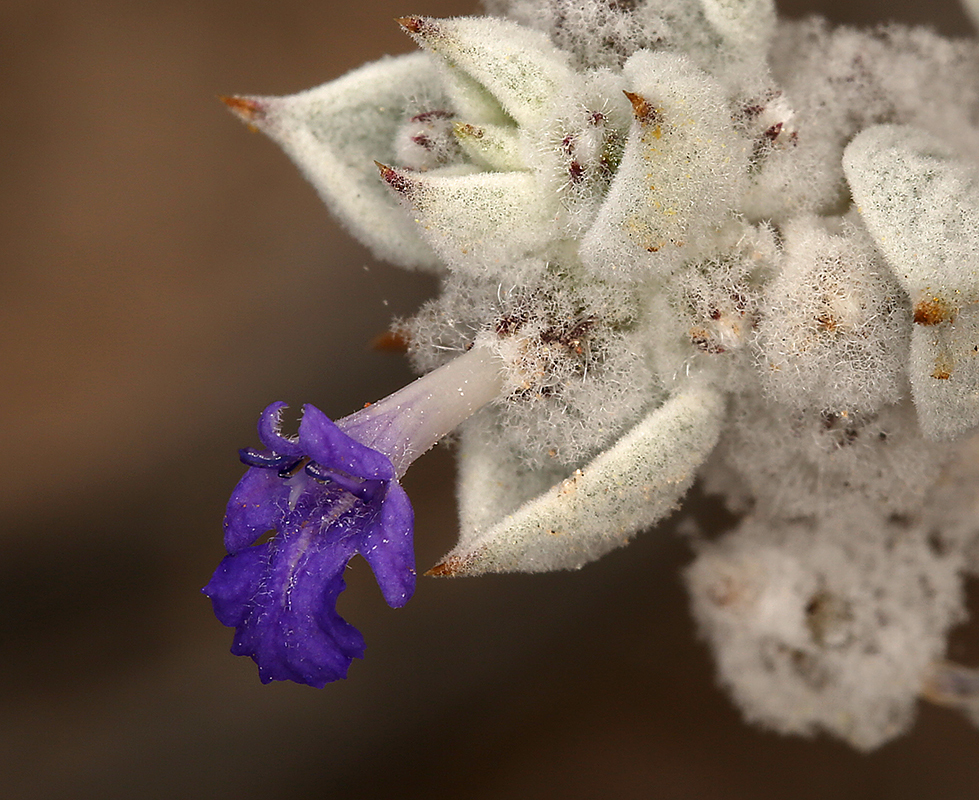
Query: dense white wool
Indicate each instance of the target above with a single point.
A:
(427, 141)
(495, 71)
(717, 208)
(833, 328)
(577, 368)
(921, 202)
(702, 235)
(829, 624)
(944, 367)
(480, 223)
(704, 316)
(745, 26)
(596, 34)
(701, 243)
(334, 132)
(803, 463)
(718, 34)
(590, 512)
(840, 80)
(495, 478)
(581, 148)
(683, 169)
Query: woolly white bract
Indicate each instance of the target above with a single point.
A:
(702, 242)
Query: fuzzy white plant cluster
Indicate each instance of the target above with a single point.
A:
(703, 241)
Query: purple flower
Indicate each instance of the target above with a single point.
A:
(326, 496)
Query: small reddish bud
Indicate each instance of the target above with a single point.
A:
(396, 180)
(463, 130)
(390, 342)
(645, 112)
(446, 569)
(246, 109)
(420, 26)
(932, 311)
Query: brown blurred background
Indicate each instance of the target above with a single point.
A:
(165, 274)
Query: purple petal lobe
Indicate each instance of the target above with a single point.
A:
(330, 447)
(291, 627)
(268, 432)
(389, 549)
(255, 507)
(234, 583)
